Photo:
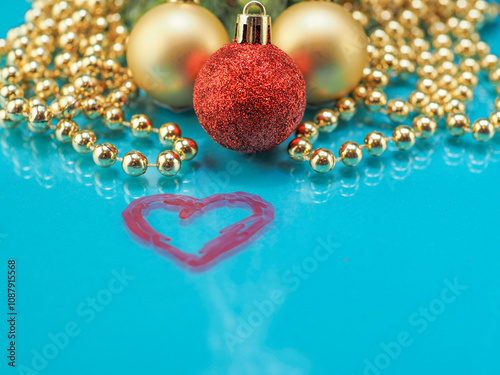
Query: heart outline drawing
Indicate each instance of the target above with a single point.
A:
(235, 236)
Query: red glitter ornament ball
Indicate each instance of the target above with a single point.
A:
(249, 97)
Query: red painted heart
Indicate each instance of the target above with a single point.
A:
(233, 236)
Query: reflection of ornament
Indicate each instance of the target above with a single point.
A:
(328, 45)
(168, 46)
(250, 96)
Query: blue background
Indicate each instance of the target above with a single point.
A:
(401, 228)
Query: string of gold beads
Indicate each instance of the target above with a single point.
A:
(86, 43)
(439, 44)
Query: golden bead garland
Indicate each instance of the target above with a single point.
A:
(86, 42)
(398, 50)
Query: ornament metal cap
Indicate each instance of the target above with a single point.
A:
(253, 28)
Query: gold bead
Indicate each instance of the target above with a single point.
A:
(130, 89)
(6, 122)
(84, 141)
(346, 108)
(17, 109)
(168, 133)
(495, 120)
(441, 40)
(4, 46)
(454, 106)
(39, 119)
(418, 100)
(463, 93)
(186, 148)
(406, 52)
(443, 54)
(68, 41)
(168, 163)
(141, 126)
(379, 38)
(482, 130)
(426, 58)
(359, 92)
(494, 77)
(433, 109)
(135, 164)
(405, 69)
(113, 118)
(17, 57)
(92, 107)
(70, 106)
(468, 79)
(389, 62)
(404, 137)
(46, 88)
(420, 45)
(376, 143)
(85, 84)
(33, 70)
(482, 49)
(68, 89)
(10, 74)
(91, 64)
(447, 67)
(489, 62)
(424, 126)
(441, 96)
(322, 160)
(447, 82)
(10, 91)
(307, 129)
(497, 103)
(299, 149)
(375, 100)
(105, 155)
(41, 55)
(351, 154)
(117, 98)
(327, 120)
(470, 65)
(465, 47)
(65, 130)
(457, 124)
(377, 78)
(398, 110)
(427, 86)
(427, 71)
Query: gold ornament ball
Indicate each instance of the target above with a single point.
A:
(328, 45)
(168, 46)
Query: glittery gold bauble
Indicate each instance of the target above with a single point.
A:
(327, 44)
(167, 48)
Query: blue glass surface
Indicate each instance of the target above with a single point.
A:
(388, 268)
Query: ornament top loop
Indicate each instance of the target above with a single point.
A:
(257, 4)
(253, 28)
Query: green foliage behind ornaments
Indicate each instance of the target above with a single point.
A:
(226, 10)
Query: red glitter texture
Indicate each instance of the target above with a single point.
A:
(249, 97)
